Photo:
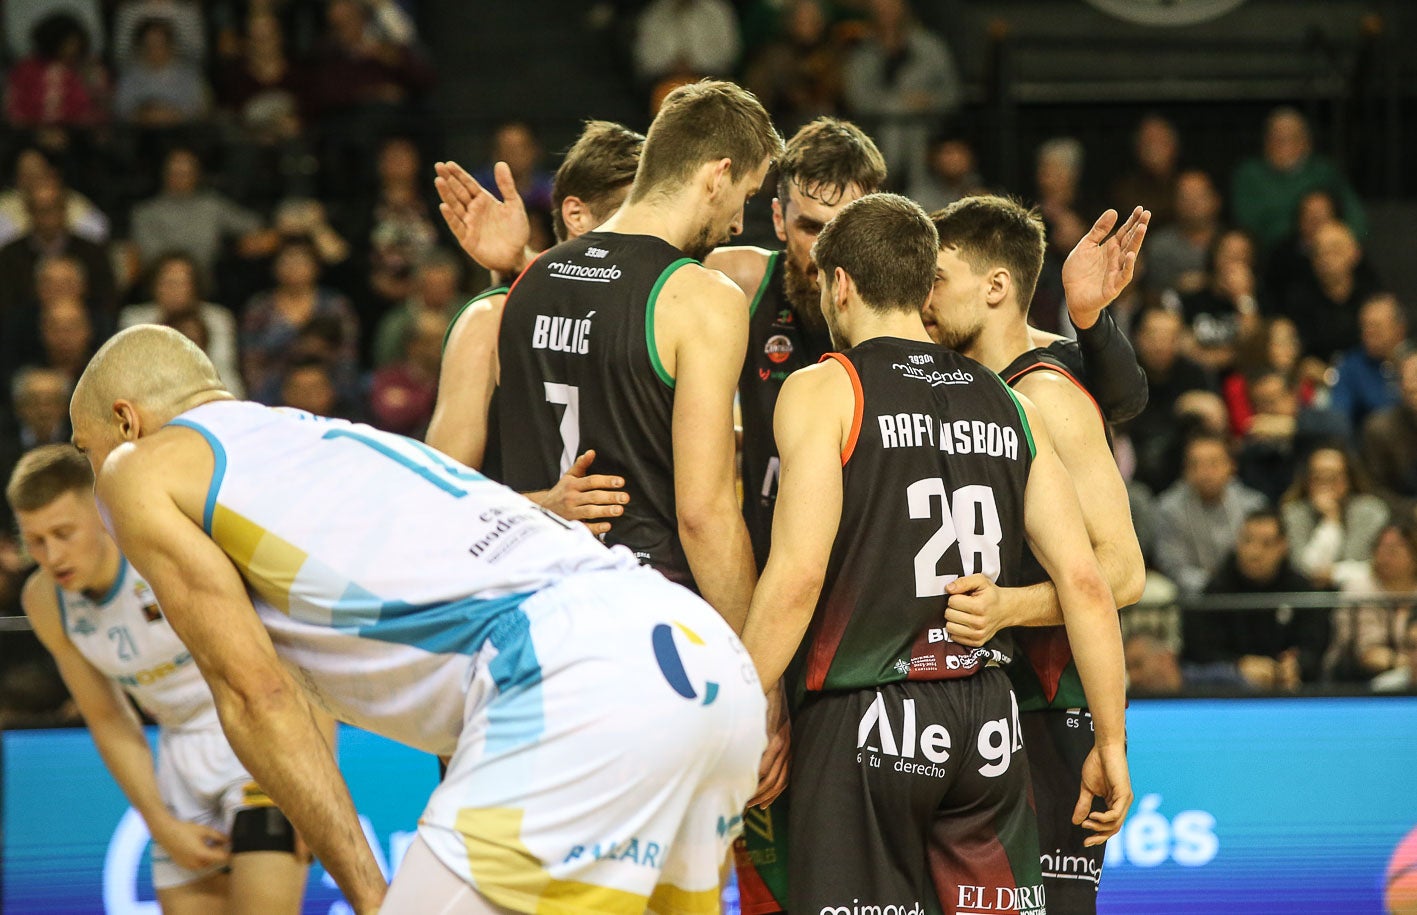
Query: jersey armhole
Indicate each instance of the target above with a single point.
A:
(1022, 416)
(763, 284)
(650, 344)
(858, 409)
(496, 290)
(218, 469)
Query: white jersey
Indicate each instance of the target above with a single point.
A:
(125, 636)
(379, 565)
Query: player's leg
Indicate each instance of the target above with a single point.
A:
(1058, 741)
(867, 772)
(201, 896)
(425, 886)
(267, 878)
(984, 841)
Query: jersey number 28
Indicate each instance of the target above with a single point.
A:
(969, 518)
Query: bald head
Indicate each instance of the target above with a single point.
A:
(156, 369)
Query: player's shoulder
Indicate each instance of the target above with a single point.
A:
(706, 299)
(156, 461)
(40, 602)
(834, 375)
(1054, 388)
(479, 316)
(745, 265)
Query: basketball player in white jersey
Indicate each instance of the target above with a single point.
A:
(219, 844)
(604, 725)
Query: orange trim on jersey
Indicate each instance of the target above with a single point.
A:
(1066, 374)
(858, 411)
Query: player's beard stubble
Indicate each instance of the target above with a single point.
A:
(803, 295)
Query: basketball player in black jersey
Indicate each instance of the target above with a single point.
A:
(904, 467)
(622, 342)
(991, 252)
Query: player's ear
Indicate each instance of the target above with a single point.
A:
(779, 221)
(719, 176)
(1001, 286)
(576, 216)
(842, 286)
(130, 425)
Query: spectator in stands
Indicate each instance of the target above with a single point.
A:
(1390, 441)
(1281, 434)
(306, 385)
(684, 40)
(436, 292)
(1368, 638)
(273, 320)
(952, 174)
(1330, 515)
(403, 392)
(1153, 669)
(298, 217)
(1402, 678)
(1292, 261)
(1224, 310)
(195, 220)
(1178, 254)
(67, 337)
(1201, 514)
(1367, 375)
(59, 278)
(177, 290)
(1265, 192)
(39, 399)
(400, 230)
(49, 235)
(1325, 302)
(1274, 346)
(33, 168)
(515, 143)
(1152, 182)
(60, 84)
(901, 81)
(358, 66)
(1157, 432)
(1278, 648)
(798, 76)
(183, 19)
(157, 88)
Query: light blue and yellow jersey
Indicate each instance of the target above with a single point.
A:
(125, 636)
(379, 565)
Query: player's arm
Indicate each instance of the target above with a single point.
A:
(266, 717)
(466, 381)
(118, 734)
(810, 424)
(1055, 531)
(703, 326)
(978, 608)
(1114, 376)
(490, 231)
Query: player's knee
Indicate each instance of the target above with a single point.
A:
(261, 829)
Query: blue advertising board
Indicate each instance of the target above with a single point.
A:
(1253, 806)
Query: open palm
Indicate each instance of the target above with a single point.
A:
(493, 232)
(1100, 267)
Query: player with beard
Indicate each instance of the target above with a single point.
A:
(991, 253)
(905, 466)
(620, 341)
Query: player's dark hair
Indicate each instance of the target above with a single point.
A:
(704, 122)
(46, 473)
(887, 245)
(827, 157)
(989, 231)
(597, 166)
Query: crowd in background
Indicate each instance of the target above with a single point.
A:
(255, 173)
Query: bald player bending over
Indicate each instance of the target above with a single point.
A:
(604, 725)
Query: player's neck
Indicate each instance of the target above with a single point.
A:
(1001, 341)
(868, 325)
(674, 220)
(107, 571)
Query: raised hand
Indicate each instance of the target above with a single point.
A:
(1099, 267)
(493, 232)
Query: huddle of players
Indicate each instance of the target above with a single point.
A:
(925, 530)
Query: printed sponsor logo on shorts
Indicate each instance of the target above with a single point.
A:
(1024, 900)
(876, 740)
(858, 907)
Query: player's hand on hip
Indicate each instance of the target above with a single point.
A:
(583, 496)
(192, 845)
(492, 232)
(976, 610)
(772, 770)
(1099, 268)
(1105, 776)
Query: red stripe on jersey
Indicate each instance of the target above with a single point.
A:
(859, 409)
(524, 271)
(1049, 651)
(1066, 374)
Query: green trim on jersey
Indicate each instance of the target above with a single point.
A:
(763, 285)
(500, 290)
(650, 345)
(1022, 416)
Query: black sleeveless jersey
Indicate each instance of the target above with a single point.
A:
(579, 370)
(1044, 673)
(779, 343)
(933, 486)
